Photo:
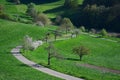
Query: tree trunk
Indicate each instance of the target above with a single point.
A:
(66, 30)
(49, 58)
(80, 57)
(55, 37)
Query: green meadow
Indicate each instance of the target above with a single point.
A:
(103, 53)
(11, 35)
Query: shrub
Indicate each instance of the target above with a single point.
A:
(41, 17)
(3, 15)
(27, 43)
(58, 20)
(103, 33)
(92, 31)
(82, 28)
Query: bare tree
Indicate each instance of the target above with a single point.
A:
(52, 53)
(56, 33)
(47, 36)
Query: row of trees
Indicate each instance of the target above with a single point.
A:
(102, 2)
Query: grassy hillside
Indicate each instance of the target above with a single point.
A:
(11, 35)
(103, 53)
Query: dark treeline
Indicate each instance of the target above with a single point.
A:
(97, 14)
(34, 1)
(102, 2)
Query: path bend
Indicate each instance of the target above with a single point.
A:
(20, 57)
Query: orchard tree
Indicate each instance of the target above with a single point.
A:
(77, 32)
(81, 51)
(47, 36)
(56, 33)
(52, 53)
(66, 25)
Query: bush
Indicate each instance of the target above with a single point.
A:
(27, 43)
(82, 28)
(93, 31)
(103, 33)
(42, 18)
(2, 14)
(58, 20)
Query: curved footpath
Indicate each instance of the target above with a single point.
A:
(16, 53)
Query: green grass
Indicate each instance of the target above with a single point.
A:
(11, 35)
(21, 9)
(103, 53)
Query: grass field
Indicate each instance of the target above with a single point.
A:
(11, 35)
(103, 53)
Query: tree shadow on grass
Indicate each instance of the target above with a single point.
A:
(23, 65)
(38, 1)
(54, 10)
(72, 59)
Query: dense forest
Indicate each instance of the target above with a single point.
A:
(97, 14)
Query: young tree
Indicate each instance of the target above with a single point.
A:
(56, 33)
(66, 25)
(47, 36)
(52, 52)
(77, 32)
(81, 51)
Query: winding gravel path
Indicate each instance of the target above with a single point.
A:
(16, 53)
